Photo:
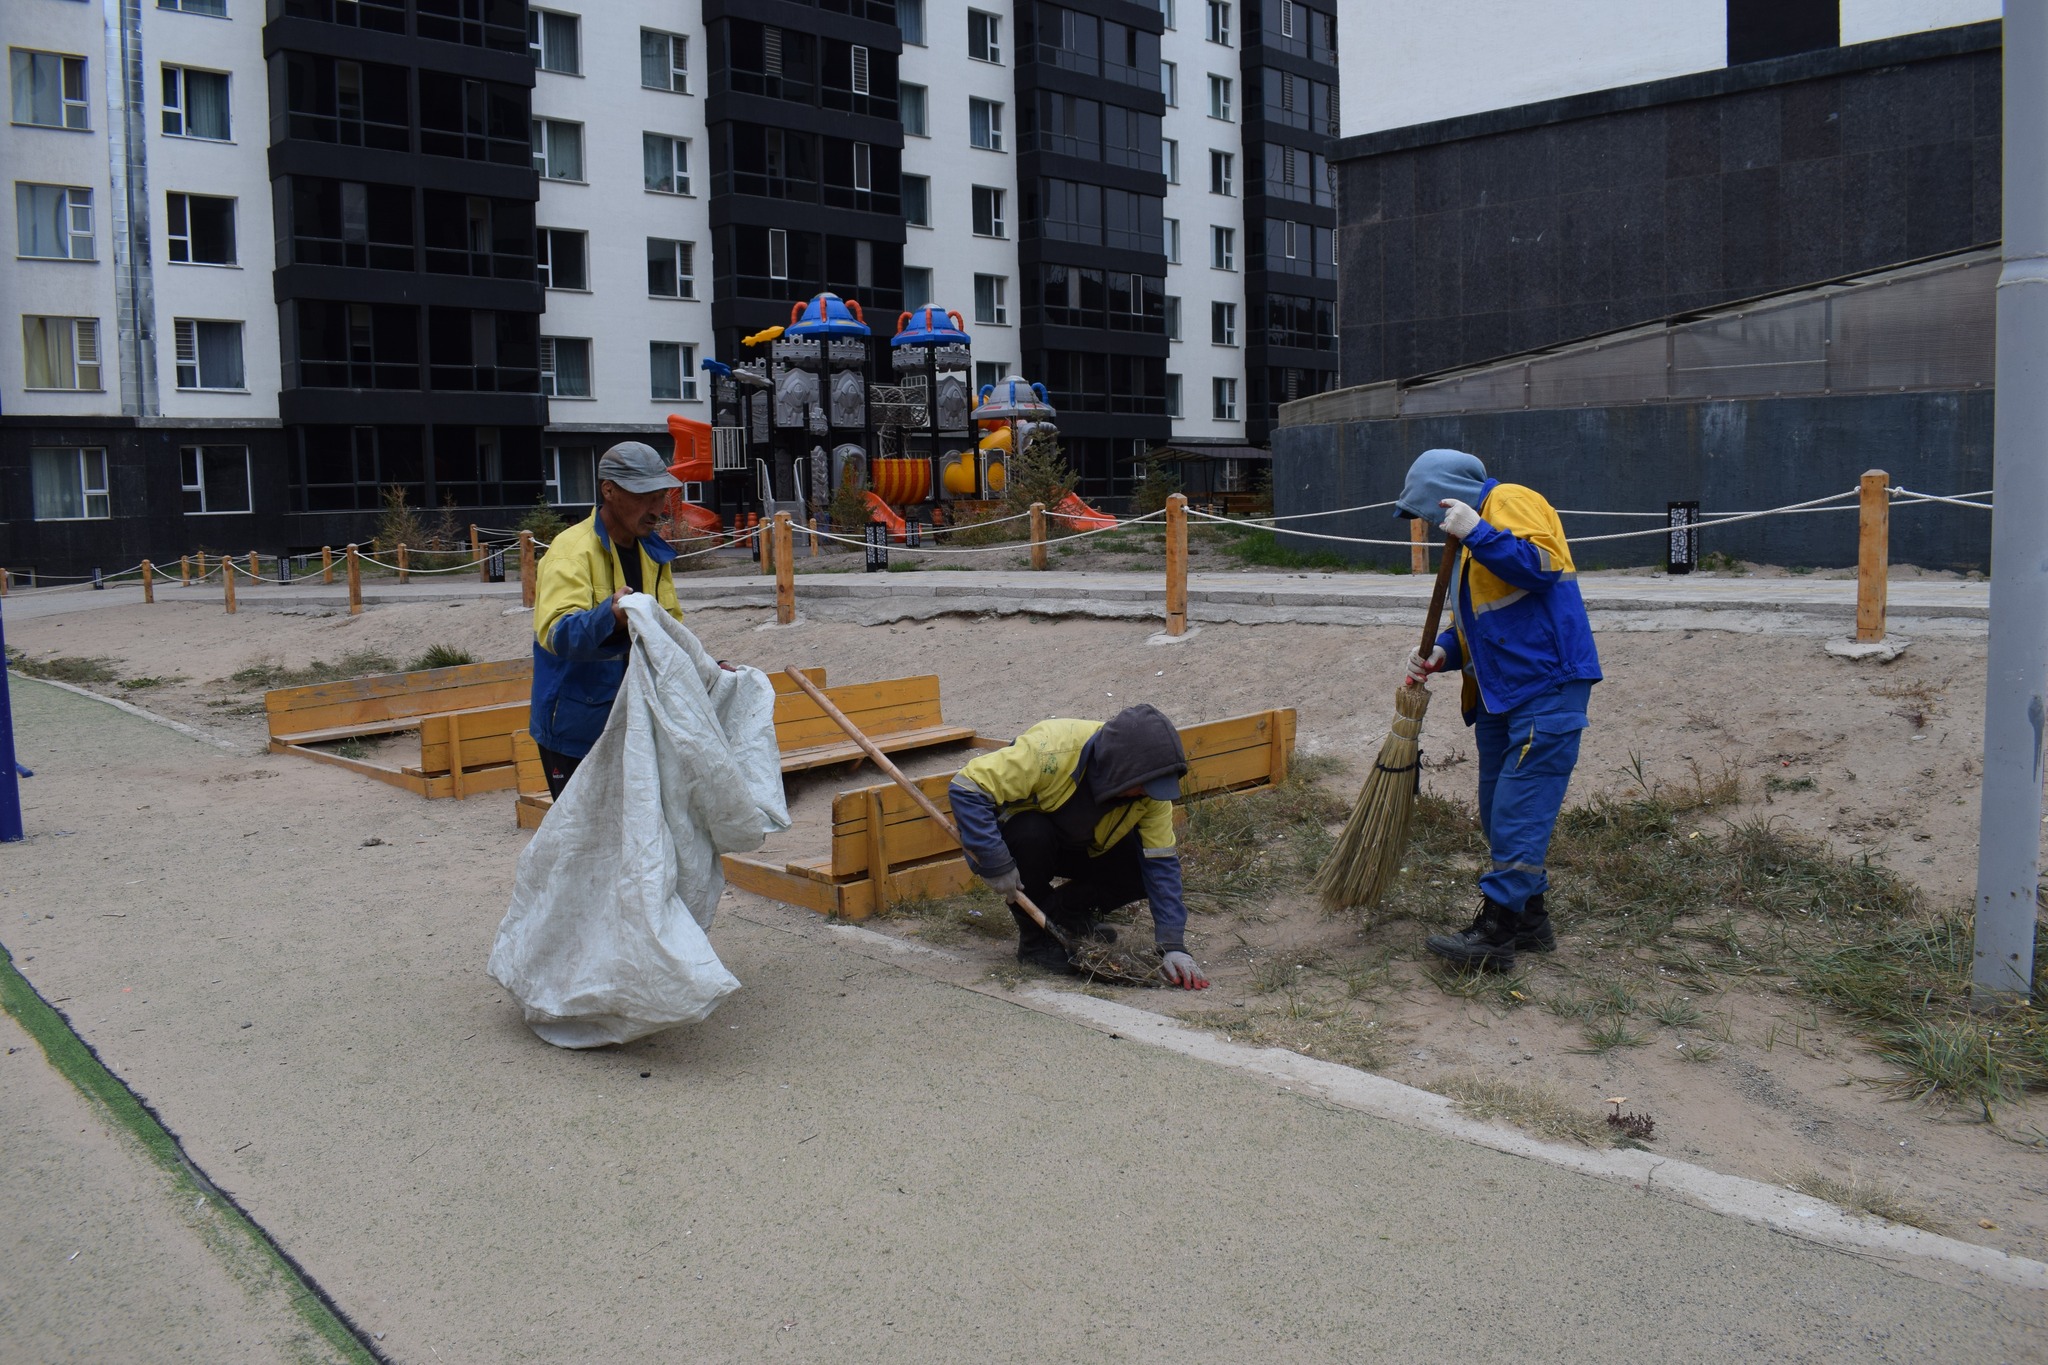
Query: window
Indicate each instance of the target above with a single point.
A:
(558, 149)
(565, 367)
(863, 167)
(199, 229)
(61, 353)
(216, 479)
(1219, 97)
(917, 286)
(671, 269)
(665, 163)
(1173, 317)
(53, 222)
(1166, 12)
(671, 371)
(989, 303)
(1173, 241)
(910, 21)
(1222, 173)
(1287, 238)
(1169, 83)
(910, 108)
(664, 61)
(554, 41)
(1173, 395)
(778, 254)
(217, 8)
(988, 212)
(1171, 148)
(1223, 248)
(984, 36)
(1223, 324)
(1219, 21)
(70, 483)
(917, 200)
(1286, 18)
(196, 104)
(988, 372)
(571, 476)
(985, 124)
(862, 76)
(562, 258)
(49, 89)
(209, 354)
(1226, 400)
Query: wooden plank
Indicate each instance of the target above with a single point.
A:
(442, 785)
(279, 743)
(387, 685)
(533, 777)
(528, 813)
(877, 847)
(825, 755)
(784, 685)
(849, 697)
(411, 704)
(947, 877)
(765, 879)
(357, 765)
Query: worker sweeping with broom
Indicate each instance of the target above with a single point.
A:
(1519, 633)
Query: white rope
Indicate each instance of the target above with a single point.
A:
(1008, 546)
(1313, 535)
(1907, 497)
(1303, 516)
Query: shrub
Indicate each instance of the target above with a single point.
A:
(440, 656)
(543, 521)
(1039, 473)
(399, 524)
(1159, 483)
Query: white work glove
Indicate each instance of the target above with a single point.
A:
(1420, 667)
(1180, 970)
(1459, 518)
(1004, 884)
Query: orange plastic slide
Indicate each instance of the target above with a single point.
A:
(882, 512)
(1081, 516)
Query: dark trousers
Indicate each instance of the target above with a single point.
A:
(1094, 886)
(559, 768)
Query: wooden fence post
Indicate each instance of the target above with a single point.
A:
(3, 582)
(326, 564)
(148, 581)
(476, 552)
(1873, 555)
(355, 583)
(202, 565)
(227, 578)
(527, 586)
(1177, 564)
(783, 544)
(1038, 535)
(255, 567)
(1418, 547)
(402, 562)
(184, 571)
(764, 541)
(814, 537)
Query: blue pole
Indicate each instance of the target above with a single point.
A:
(10, 781)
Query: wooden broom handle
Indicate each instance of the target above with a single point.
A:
(930, 807)
(1436, 596)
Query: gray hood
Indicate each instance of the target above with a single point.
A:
(1137, 748)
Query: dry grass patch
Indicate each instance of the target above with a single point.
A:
(1540, 1109)
(1871, 1197)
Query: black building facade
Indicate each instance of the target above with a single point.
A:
(1289, 77)
(1092, 248)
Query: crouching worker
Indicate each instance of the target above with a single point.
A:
(1091, 802)
(580, 640)
(1519, 633)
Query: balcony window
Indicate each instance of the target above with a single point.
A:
(664, 61)
(347, 223)
(353, 104)
(53, 222)
(482, 350)
(61, 353)
(199, 229)
(49, 89)
(209, 354)
(70, 483)
(195, 104)
(357, 345)
(671, 269)
(471, 234)
(214, 479)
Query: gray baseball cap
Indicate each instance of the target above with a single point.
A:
(634, 466)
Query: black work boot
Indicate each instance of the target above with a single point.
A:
(1037, 948)
(1533, 933)
(1489, 942)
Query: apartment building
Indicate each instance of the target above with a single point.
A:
(276, 257)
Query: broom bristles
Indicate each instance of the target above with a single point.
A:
(1368, 853)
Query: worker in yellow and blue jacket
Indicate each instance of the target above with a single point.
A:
(1519, 633)
(1091, 802)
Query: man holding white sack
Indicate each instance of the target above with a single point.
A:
(580, 640)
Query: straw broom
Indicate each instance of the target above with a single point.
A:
(1369, 851)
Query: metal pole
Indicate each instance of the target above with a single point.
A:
(10, 783)
(2016, 670)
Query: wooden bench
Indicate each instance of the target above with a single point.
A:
(466, 716)
(899, 714)
(885, 849)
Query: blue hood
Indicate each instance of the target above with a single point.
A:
(1440, 474)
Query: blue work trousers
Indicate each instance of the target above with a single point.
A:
(1526, 756)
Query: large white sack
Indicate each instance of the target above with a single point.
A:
(604, 941)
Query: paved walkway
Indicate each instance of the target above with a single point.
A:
(1618, 601)
(850, 1160)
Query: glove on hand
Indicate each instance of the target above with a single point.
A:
(1005, 884)
(1459, 518)
(1420, 668)
(1180, 970)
